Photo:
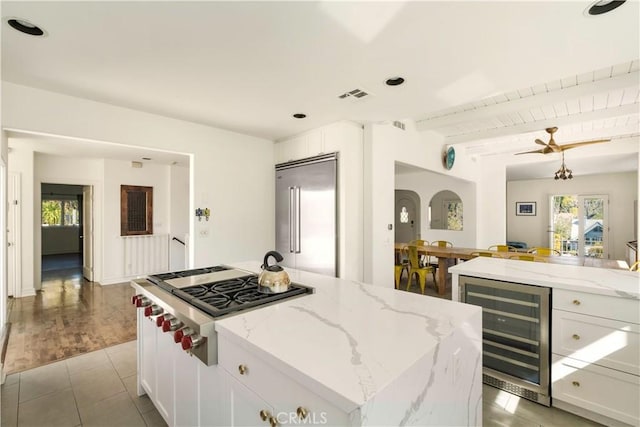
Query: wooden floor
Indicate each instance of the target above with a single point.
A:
(69, 316)
(430, 288)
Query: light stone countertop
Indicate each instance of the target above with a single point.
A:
(601, 281)
(348, 340)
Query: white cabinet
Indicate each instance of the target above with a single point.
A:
(147, 355)
(596, 356)
(168, 375)
(286, 399)
(248, 409)
(164, 376)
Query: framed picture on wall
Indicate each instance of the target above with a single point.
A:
(526, 208)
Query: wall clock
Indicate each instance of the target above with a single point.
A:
(449, 157)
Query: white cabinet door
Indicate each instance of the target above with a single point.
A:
(214, 392)
(165, 359)
(186, 388)
(247, 409)
(147, 352)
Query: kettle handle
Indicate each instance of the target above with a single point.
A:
(278, 257)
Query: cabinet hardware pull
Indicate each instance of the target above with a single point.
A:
(576, 302)
(576, 336)
(576, 384)
(273, 422)
(302, 412)
(242, 369)
(264, 415)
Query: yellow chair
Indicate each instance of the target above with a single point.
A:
(635, 266)
(482, 253)
(402, 265)
(523, 257)
(442, 244)
(420, 242)
(501, 248)
(416, 269)
(543, 251)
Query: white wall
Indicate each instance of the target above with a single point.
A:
(427, 184)
(21, 160)
(384, 146)
(178, 216)
(621, 188)
(232, 174)
(117, 173)
(491, 202)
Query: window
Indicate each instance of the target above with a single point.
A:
(136, 210)
(404, 215)
(57, 213)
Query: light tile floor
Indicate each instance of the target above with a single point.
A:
(99, 389)
(93, 389)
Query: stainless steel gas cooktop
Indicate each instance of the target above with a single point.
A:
(186, 303)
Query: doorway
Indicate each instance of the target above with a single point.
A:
(579, 225)
(66, 225)
(407, 216)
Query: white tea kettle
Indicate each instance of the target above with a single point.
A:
(273, 279)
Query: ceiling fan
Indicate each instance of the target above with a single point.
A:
(552, 147)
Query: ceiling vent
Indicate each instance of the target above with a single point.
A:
(355, 94)
(398, 124)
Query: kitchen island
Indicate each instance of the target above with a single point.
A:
(594, 333)
(348, 354)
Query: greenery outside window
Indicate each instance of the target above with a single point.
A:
(57, 213)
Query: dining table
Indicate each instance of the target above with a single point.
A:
(445, 254)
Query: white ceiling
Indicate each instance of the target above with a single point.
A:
(476, 71)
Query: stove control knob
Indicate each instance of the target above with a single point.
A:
(134, 299)
(160, 319)
(152, 310)
(171, 324)
(142, 302)
(181, 333)
(189, 342)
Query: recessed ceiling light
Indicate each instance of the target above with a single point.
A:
(394, 81)
(604, 6)
(299, 115)
(146, 158)
(25, 27)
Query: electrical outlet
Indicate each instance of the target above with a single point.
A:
(204, 232)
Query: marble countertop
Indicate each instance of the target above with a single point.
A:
(348, 340)
(602, 281)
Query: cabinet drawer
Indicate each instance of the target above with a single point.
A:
(605, 391)
(281, 392)
(624, 309)
(605, 342)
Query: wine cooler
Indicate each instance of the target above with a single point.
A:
(515, 335)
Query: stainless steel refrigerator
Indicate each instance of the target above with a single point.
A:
(306, 216)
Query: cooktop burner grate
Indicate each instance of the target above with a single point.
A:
(158, 279)
(227, 296)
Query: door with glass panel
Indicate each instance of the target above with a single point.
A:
(579, 225)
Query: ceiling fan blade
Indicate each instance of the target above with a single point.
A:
(579, 144)
(542, 151)
(540, 142)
